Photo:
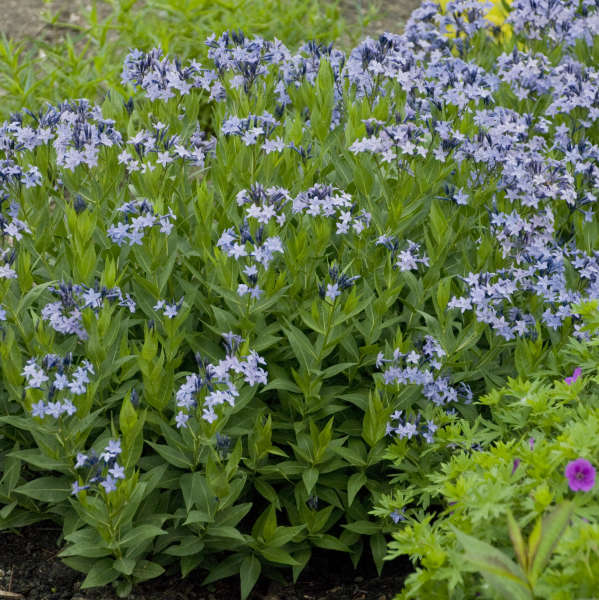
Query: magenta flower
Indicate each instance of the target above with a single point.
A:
(515, 465)
(580, 474)
(575, 376)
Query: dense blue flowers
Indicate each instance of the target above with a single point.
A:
(36, 376)
(419, 368)
(144, 218)
(65, 316)
(444, 109)
(264, 205)
(102, 471)
(214, 386)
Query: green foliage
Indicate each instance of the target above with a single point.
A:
(484, 499)
(505, 577)
(301, 454)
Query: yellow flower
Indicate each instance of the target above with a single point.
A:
(496, 15)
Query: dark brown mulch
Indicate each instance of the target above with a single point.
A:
(31, 570)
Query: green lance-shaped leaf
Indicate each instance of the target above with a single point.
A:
(354, 483)
(249, 573)
(502, 574)
(375, 421)
(517, 541)
(310, 477)
(534, 539)
(127, 416)
(301, 346)
(378, 546)
(101, 573)
(266, 524)
(542, 544)
(145, 570)
(320, 440)
(46, 489)
(443, 293)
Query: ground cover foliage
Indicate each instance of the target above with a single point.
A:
(274, 302)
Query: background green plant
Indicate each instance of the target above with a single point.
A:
(88, 62)
(538, 423)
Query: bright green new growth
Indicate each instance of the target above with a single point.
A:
(559, 559)
(505, 577)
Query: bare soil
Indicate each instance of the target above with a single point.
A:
(389, 16)
(31, 570)
(27, 19)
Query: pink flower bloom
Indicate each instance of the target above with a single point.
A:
(575, 376)
(580, 474)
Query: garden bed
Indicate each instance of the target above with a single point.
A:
(31, 570)
(433, 391)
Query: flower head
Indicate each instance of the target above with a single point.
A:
(574, 377)
(515, 465)
(398, 516)
(76, 488)
(109, 484)
(580, 474)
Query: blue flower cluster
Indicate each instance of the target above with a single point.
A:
(234, 245)
(324, 200)
(78, 131)
(397, 516)
(36, 376)
(8, 258)
(158, 76)
(253, 126)
(65, 316)
(529, 241)
(539, 166)
(264, 205)
(247, 60)
(340, 283)
(102, 470)
(211, 376)
(166, 149)
(170, 311)
(509, 146)
(561, 22)
(410, 369)
(408, 259)
(134, 231)
(11, 230)
(408, 428)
